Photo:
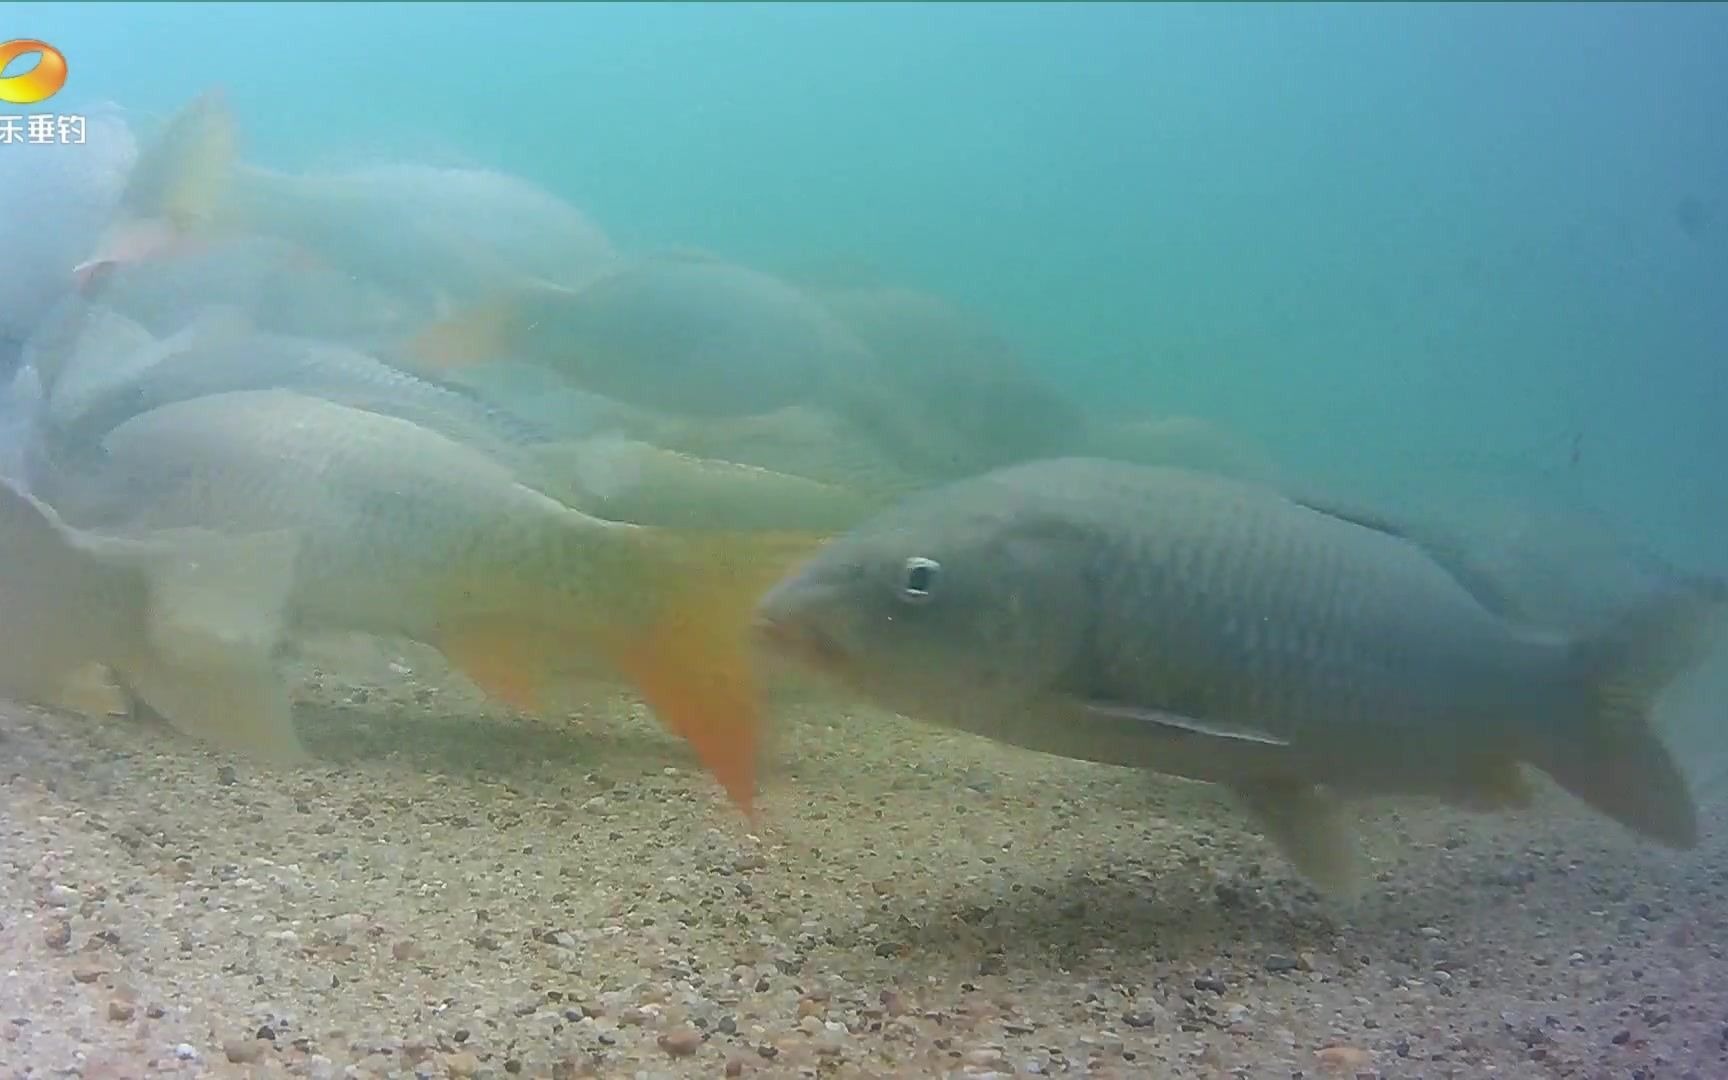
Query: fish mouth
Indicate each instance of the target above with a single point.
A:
(803, 643)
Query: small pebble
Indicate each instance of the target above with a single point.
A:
(461, 1063)
(88, 970)
(1340, 1058)
(57, 934)
(186, 1052)
(243, 1051)
(121, 1010)
(681, 1042)
(985, 1057)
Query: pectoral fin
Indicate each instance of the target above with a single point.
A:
(1310, 828)
(1174, 724)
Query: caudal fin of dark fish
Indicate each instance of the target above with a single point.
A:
(1608, 753)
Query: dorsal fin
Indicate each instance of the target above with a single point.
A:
(1446, 551)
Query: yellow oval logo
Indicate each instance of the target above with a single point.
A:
(38, 84)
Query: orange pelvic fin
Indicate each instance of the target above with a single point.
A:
(501, 659)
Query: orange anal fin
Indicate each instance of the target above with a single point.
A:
(502, 660)
(703, 690)
(692, 661)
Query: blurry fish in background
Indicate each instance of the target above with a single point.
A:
(214, 530)
(430, 237)
(1561, 564)
(174, 244)
(800, 439)
(547, 400)
(21, 402)
(104, 369)
(1202, 627)
(171, 191)
(365, 258)
(978, 402)
(726, 355)
(280, 286)
(55, 200)
(1183, 442)
(678, 332)
(628, 480)
(441, 237)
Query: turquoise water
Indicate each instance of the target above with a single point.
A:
(1368, 237)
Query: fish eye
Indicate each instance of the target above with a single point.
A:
(919, 576)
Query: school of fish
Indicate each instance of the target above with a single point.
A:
(247, 407)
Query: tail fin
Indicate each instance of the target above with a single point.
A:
(184, 171)
(175, 190)
(1613, 758)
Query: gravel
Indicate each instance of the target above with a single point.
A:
(455, 891)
